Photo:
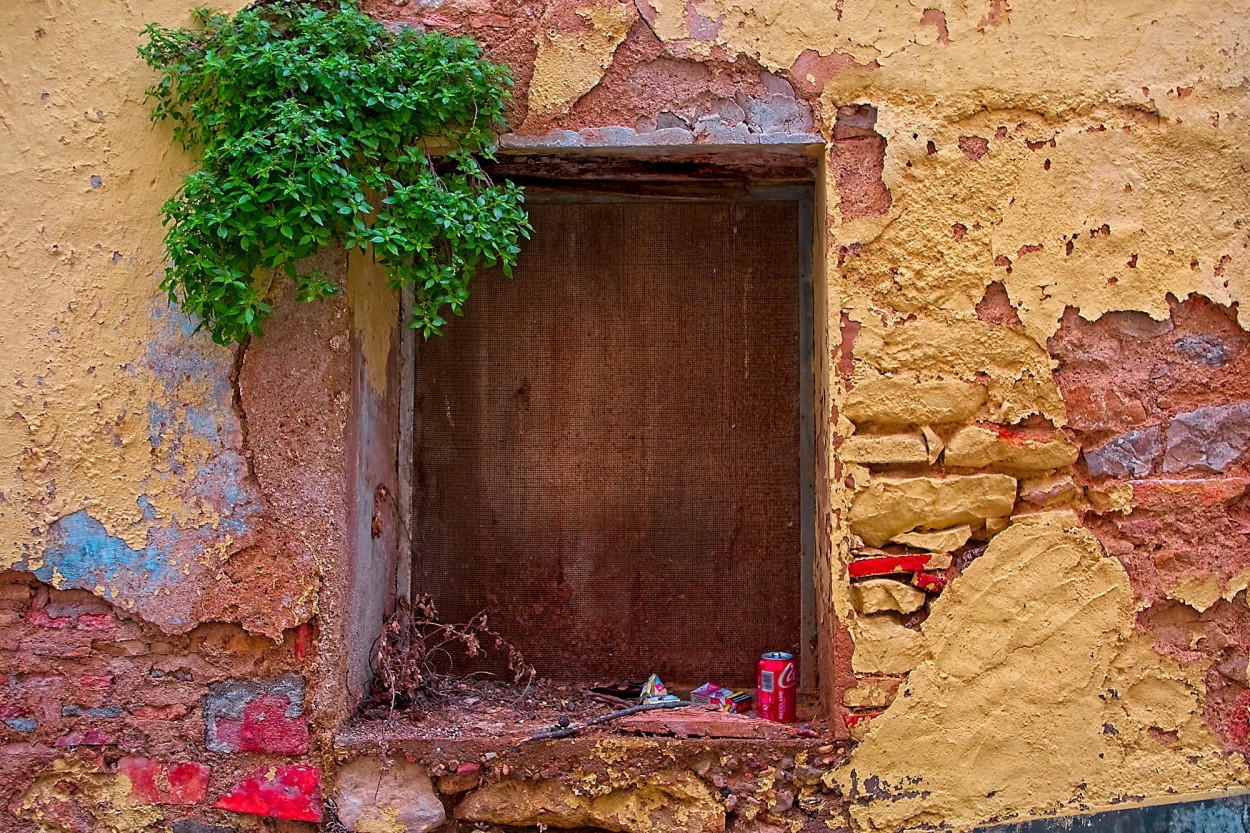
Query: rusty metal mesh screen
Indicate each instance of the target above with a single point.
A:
(607, 445)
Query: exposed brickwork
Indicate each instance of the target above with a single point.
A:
(1180, 410)
(84, 681)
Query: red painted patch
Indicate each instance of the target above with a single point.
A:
(40, 619)
(265, 728)
(303, 639)
(91, 737)
(152, 782)
(95, 622)
(1238, 720)
(96, 682)
(853, 719)
(285, 792)
(888, 565)
(930, 582)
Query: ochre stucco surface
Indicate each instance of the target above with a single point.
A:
(1035, 236)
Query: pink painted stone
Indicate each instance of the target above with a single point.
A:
(285, 792)
(91, 737)
(265, 728)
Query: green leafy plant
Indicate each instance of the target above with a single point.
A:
(314, 124)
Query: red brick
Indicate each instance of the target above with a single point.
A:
(887, 565)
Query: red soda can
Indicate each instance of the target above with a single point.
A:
(777, 687)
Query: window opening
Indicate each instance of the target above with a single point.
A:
(612, 450)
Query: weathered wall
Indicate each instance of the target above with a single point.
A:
(1036, 250)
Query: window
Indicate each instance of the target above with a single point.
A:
(612, 450)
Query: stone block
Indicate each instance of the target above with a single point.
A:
(890, 449)
(976, 447)
(1208, 438)
(394, 795)
(777, 113)
(942, 540)
(882, 595)
(896, 401)
(667, 800)
(884, 646)
(890, 506)
(1206, 349)
(934, 443)
(262, 715)
(1132, 454)
(283, 792)
(1049, 491)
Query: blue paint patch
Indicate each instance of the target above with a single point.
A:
(219, 500)
(146, 507)
(22, 724)
(84, 555)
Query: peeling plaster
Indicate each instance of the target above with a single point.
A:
(570, 64)
(1030, 658)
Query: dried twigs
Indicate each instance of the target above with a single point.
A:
(414, 643)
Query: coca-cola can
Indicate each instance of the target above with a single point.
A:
(777, 686)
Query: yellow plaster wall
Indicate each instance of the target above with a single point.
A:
(83, 322)
(1137, 114)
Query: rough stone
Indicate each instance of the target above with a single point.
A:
(943, 540)
(934, 443)
(891, 449)
(897, 401)
(1206, 349)
(284, 792)
(977, 447)
(263, 715)
(778, 113)
(395, 796)
(1132, 454)
(666, 801)
(1210, 438)
(1048, 491)
(890, 506)
(881, 595)
(884, 646)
